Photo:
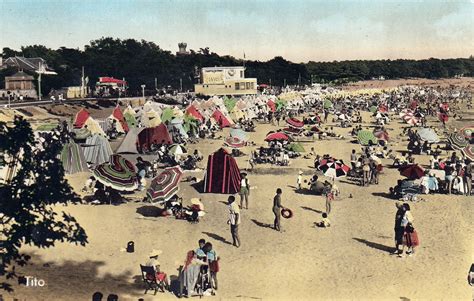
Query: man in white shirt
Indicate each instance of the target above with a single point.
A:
(234, 220)
(244, 191)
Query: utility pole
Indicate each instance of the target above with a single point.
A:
(39, 86)
(156, 84)
(284, 82)
(180, 84)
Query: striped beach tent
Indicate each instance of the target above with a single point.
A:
(97, 149)
(223, 174)
(72, 158)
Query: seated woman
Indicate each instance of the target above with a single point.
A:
(155, 264)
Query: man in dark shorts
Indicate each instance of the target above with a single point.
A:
(276, 209)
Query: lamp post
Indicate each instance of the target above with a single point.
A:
(8, 93)
(143, 91)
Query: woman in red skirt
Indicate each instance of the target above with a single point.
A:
(410, 236)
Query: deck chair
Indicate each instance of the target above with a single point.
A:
(150, 280)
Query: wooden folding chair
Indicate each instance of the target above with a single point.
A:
(150, 280)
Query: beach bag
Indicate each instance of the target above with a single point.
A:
(410, 228)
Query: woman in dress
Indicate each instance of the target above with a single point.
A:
(410, 236)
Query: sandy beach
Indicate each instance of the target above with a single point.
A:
(351, 260)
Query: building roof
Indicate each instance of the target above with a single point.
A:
(28, 64)
(19, 75)
(111, 80)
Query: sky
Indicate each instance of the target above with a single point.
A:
(298, 30)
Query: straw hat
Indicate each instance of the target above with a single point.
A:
(155, 253)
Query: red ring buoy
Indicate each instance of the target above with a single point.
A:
(286, 213)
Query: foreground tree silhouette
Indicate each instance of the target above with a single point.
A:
(28, 195)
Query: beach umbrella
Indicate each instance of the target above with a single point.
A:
(327, 104)
(292, 131)
(366, 138)
(468, 151)
(457, 140)
(315, 129)
(276, 136)
(373, 109)
(177, 149)
(323, 162)
(467, 131)
(118, 174)
(335, 169)
(239, 133)
(428, 134)
(443, 117)
(383, 108)
(165, 185)
(234, 142)
(296, 147)
(381, 135)
(296, 123)
(419, 115)
(410, 119)
(412, 171)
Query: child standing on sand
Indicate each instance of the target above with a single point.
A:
(299, 180)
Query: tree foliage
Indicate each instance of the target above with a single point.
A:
(27, 216)
(140, 62)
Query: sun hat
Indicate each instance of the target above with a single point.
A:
(155, 253)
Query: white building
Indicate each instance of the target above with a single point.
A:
(225, 81)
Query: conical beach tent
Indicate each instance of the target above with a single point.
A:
(117, 114)
(154, 135)
(221, 120)
(167, 114)
(222, 175)
(129, 143)
(81, 118)
(192, 111)
(129, 115)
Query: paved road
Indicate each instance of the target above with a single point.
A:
(34, 103)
